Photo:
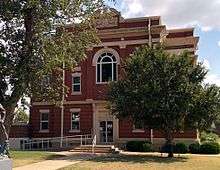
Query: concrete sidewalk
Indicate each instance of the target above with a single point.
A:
(47, 165)
(70, 158)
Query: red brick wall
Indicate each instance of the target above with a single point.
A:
(54, 120)
(19, 131)
(91, 90)
(126, 126)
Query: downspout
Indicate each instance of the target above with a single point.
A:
(62, 107)
(151, 136)
(150, 45)
(149, 33)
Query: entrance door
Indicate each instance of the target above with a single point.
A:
(106, 131)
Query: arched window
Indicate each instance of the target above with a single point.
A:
(106, 68)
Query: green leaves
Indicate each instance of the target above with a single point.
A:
(205, 108)
(37, 36)
(159, 89)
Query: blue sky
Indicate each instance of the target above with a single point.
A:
(204, 15)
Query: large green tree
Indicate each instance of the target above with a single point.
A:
(205, 108)
(164, 92)
(37, 38)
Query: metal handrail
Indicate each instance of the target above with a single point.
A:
(82, 138)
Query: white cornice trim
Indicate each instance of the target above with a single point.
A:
(88, 101)
(123, 44)
(141, 19)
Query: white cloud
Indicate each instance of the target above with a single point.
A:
(213, 79)
(219, 43)
(177, 13)
(210, 77)
(206, 28)
(206, 64)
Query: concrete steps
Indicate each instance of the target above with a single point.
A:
(97, 149)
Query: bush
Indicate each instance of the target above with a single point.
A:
(147, 147)
(210, 148)
(194, 148)
(166, 148)
(207, 137)
(181, 148)
(138, 146)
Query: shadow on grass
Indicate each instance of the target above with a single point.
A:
(55, 157)
(138, 159)
(121, 158)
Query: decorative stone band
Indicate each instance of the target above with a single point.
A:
(88, 101)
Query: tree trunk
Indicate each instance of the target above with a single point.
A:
(20, 86)
(5, 126)
(3, 133)
(169, 143)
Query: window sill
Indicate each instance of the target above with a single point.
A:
(44, 131)
(138, 131)
(102, 82)
(76, 93)
(74, 131)
(106, 82)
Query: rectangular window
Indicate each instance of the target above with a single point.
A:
(76, 83)
(138, 127)
(44, 122)
(75, 121)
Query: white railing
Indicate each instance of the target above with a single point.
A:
(49, 143)
(93, 144)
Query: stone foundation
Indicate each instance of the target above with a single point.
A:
(5, 164)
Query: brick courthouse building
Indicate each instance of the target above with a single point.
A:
(85, 105)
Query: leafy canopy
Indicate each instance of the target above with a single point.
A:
(36, 38)
(163, 91)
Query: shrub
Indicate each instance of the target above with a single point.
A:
(194, 148)
(131, 146)
(138, 146)
(166, 148)
(207, 137)
(210, 148)
(181, 148)
(147, 147)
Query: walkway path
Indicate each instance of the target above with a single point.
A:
(68, 159)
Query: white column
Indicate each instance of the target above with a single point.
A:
(115, 129)
(94, 130)
(62, 107)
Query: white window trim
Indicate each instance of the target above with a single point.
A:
(77, 68)
(134, 130)
(75, 110)
(71, 129)
(43, 121)
(107, 82)
(76, 75)
(106, 50)
(44, 111)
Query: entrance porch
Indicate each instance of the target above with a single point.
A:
(105, 125)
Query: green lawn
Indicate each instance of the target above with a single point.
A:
(133, 162)
(21, 158)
